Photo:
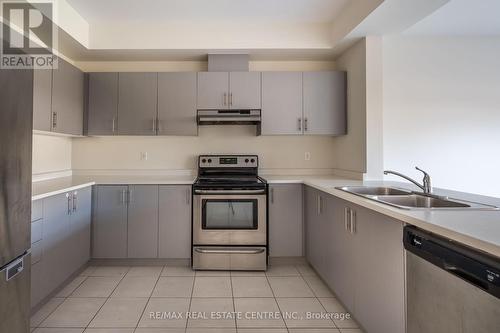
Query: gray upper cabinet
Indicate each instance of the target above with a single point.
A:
(281, 103)
(285, 220)
(67, 99)
(325, 103)
(142, 221)
(174, 221)
(42, 99)
(213, 90)
(102, 114)
(137, 103)
(244, 90)
(110, 222)
(177, 104)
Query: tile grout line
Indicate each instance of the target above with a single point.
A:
(276, 301)
(148, 300)
(107, 298)
(234, 305)
(190, 301)
(317, 298)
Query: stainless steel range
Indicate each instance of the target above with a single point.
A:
(229, 214)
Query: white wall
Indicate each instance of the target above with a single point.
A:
(442, 110)
(359, 153)
(51, 154)
(278, 154)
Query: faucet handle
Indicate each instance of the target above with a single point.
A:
(425, 173)
(427, 181)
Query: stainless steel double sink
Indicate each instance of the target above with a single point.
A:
(406, 199)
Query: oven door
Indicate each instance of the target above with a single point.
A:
(229, 218)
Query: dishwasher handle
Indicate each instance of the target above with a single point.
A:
(464, 274)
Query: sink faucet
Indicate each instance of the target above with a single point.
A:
(426, 186)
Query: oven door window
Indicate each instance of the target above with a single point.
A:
(239, 214)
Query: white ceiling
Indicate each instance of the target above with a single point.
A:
(112, 11)
(461, 17)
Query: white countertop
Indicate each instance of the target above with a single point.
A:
(479, 229)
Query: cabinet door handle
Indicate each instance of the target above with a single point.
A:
(158, 126)
(347, 219)
(68, 197)
(188, 196)
(320, 204)
(75, 194)
(113, 126)
(54, 120)
(352, 218)
(231, 99)
(123, 199)
(129, 196)
(299, 124)
(224, 100)
(305, 124)
(154, 125)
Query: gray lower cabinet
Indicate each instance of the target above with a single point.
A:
(102, 112)
(60, 240)
(42, 99)
(137, 103)
(80, 225)
(177, 103)
(142, 221)
(341, 267)
(379, 294)
(67, 99)
(281, 103)
(285, 220)
(325, 108)
(174, 221)
(359, 254)
(315, 229)
(56, 231)
(109, 223)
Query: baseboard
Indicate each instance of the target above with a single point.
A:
(287, 261)
(140, 262)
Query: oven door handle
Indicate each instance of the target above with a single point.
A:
(229, 191)
(230, 251)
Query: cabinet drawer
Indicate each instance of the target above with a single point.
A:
(36, 210)
(36, 252)
(36, 231)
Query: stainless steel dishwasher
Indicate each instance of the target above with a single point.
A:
(450, 287)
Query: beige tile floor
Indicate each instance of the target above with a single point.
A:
(122, 300)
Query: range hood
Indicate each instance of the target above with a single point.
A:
(230, 117)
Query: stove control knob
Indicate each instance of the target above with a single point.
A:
(246, 160)
(252, 160)
(204, 160)
(209, 160)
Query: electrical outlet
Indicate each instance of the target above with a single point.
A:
(307, 156)
(144, 155)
